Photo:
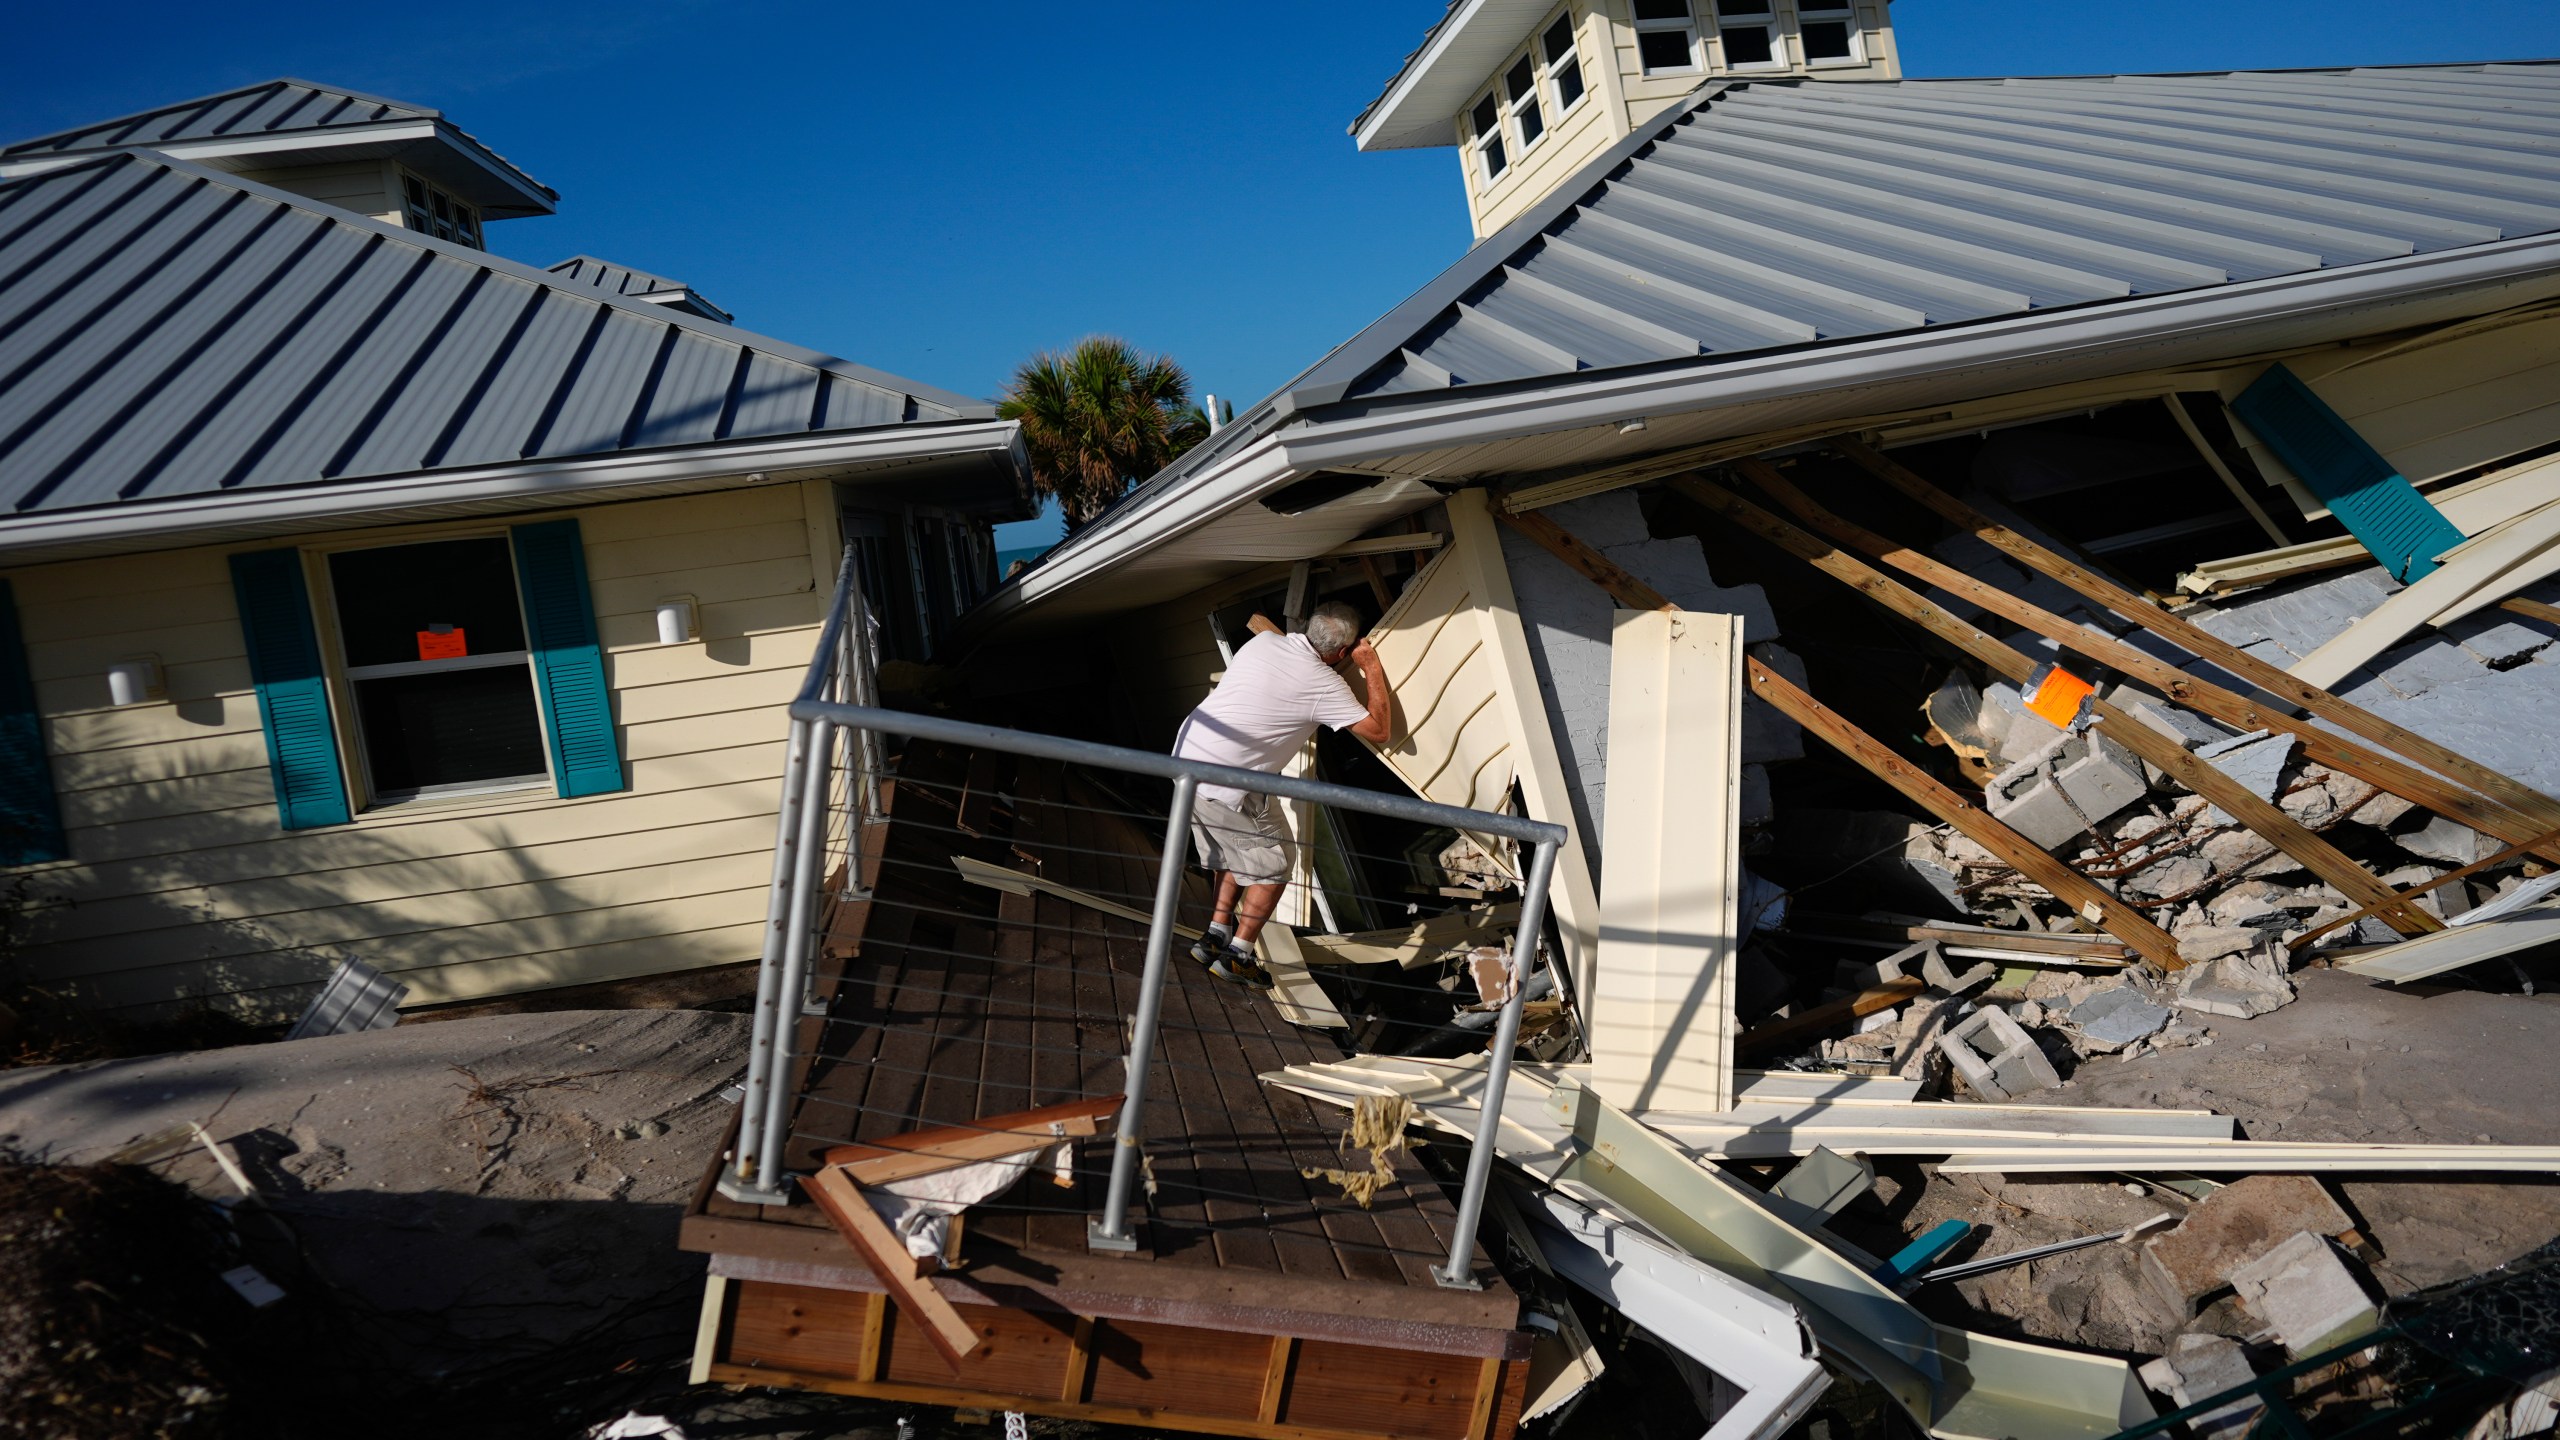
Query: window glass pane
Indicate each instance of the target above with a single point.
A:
(1568, 86)
(1664, 9)
(1559, 41)
(1731, 9)
(1488, 115)
(1826, 40)
(1495, 162)
(1521, 81)
(1532, 124)
(450, 727)
(1663, 49)
(1747, 45)
(388, 595)
(414, 188)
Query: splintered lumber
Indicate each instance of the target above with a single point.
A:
(2531, 609)
(2528, 812)
(881, 1249)
(2196, 693)
(2160, 750)
(1761, 1039)
(2511, 853)
(1423, 942)
(2015, 850)
(948, 1147)
(2020, 946)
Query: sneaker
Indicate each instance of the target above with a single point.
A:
(1210, 946)
(1240, 966)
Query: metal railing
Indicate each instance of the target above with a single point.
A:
(830, 790)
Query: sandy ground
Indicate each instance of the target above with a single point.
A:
(2348, 1061)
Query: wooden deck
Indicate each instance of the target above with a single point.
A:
(1259, 1302)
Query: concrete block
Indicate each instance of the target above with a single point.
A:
(2199, 1367)
(1998, 1059)
(2100, 777)
(2256, 760)
(2235, 985)
(2232, 1227)
(2304, 1290)
(2199, 943)
(2117, 1016)
(1935, 970)
(2175, 721)
(2450, 841)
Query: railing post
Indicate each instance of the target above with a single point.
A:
(752, 1178)
(1111, 1231)
(799, 938)
(1459, 1274)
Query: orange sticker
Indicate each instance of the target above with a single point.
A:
(442, 644)
(2057, 696)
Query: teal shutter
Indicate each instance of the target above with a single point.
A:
(568, 664)
(30, 817)
(293, 693)
(2376, 504)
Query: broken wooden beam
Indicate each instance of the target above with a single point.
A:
(947, 1147)
(2511, 853)
(2431, 791)
(2533, 812)
(1761, 1039)
(2064, 883)
(2160, 750)
(850, 1210)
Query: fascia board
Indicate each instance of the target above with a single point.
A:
(964, 408)
(212, 150)
(317, 506)
(1458, 57)
(2173, 329)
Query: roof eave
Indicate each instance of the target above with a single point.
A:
(530, 196)
(203, 519)
(1415, 109)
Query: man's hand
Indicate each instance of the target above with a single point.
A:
(1379, 726)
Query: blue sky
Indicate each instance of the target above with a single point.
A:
(939, 190)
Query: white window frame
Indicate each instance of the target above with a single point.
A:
(1770, 21)
(1688, 26)
(417, 211)
(1550, 68)
(355, 759)
(1485, 139)
(1824, 12)
(1532, 98)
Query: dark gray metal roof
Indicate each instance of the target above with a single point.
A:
(167, 329)
(622, 280)
(281, 109)
(1774, 214)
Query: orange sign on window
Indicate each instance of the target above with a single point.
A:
(442, 642)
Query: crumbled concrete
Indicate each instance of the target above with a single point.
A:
(2118, 1016)
(2237, 985)
(2256, 760)
(1998, 1059)
(2303, 1289)
(2200, 943)
(2198, 1367)
(2232, 1227)
(2450, 841)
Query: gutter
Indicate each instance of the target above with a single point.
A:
(2110, 332)
(26, 539)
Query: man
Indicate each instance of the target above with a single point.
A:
(1275, 693)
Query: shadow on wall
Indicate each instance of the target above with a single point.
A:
(243, 921)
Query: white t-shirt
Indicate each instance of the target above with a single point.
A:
(1275, 693)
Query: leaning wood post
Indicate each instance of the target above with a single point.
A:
(2538, 812)
(2015, 850)
(2148, 744)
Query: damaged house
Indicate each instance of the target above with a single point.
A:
(1982, 573)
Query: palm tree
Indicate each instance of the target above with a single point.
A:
(1098, 419)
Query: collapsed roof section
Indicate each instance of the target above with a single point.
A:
(172, 336)
(1775, 214)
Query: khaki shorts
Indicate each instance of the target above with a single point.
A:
(1242, 841)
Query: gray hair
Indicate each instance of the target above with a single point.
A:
(1334, 626)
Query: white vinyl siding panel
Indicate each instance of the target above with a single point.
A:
(184, 886)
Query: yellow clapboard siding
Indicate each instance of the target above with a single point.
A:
(802, 611)
(178, 795)
(636, 822)
(208, 699)
(371, 925)
(129, 913)
(731, 689)
(681, 552)
(588, 964)
(181, 644)
(73, 582)
(710, 584)
(123, 613)
(487, 826)
(446, 949)
(690, 514)
(655, 664)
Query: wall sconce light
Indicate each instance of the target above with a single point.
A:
(134, 680)
(1630, 427)
(675, 620)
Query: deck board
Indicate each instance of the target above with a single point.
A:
(962, 1002)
